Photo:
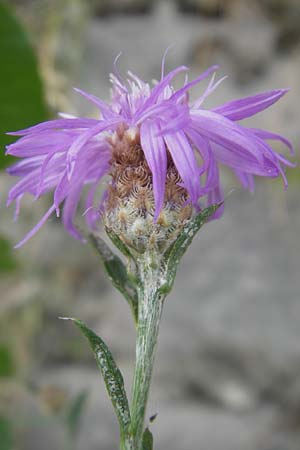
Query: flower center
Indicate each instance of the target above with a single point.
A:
(129, 208)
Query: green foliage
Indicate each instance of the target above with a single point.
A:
(174, 254)
(6, 435)
(7, 261)
(147, 440)
(117, 272)
(21, 96)
(118, 243)
(7, 367)
(111, 374)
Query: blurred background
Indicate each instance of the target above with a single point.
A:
(227, 373)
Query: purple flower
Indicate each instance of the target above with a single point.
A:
(65, 155)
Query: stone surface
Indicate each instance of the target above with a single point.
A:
(108, 7)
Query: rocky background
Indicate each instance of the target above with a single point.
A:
(227, 373)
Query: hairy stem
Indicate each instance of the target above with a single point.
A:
(126, 443)
(149, 313)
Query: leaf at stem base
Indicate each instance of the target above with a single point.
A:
(112, 376)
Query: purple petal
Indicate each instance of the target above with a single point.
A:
(197, 80)
(215, 197)
(180, 120)
(249, 106)
(185, 161)
(264, 134)
(30, 184)
(246, 179)
(158, 89)
(155, 154)
(42, 175)
(164, 60)
(23, 167)
(156, 111)
(228, 134)
(84, 138)
(69, 211)
(209, 90)
(37, 227)
(18, 207)
(209, 164)
(61, 191)
(104, 108)
(271, 157)
(245, 163)
(91, 212)
(42, 143)
(58, 124)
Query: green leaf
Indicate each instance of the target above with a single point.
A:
(7, 366)
(175, 252)
(117, 272)
(6, 435)
(7, 261)
(21, 95)
(147, 440)
(111, 374)
(74, 412)
(118, 243)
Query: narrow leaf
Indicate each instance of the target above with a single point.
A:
(117, 272)
(174, 254)
(111, 374)
(118, 243)
(147, 440)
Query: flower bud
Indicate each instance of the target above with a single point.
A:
(129, 210)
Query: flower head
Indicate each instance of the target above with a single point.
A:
(161, 151)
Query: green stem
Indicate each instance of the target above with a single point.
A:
(126, 443)
(149, 313)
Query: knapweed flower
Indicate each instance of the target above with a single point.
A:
(160, 152)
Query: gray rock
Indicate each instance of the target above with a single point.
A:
(208, 8)
(105, 7)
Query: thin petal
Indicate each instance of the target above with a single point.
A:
(180, 120)
(209, 90)
(197, 80)
(83, 139)
(91, 212)
(69, 211)
(61, 190)
(185, 161)
(36, 228)
(209, 166)
(23, 167)
(229, 135)
(264, 134)
(216, 196)
(42, 143)
(104, 108)
(155, 154)
(58, 124)
(249, 106)
(245, 163)
(157, 90)
(246, 179)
